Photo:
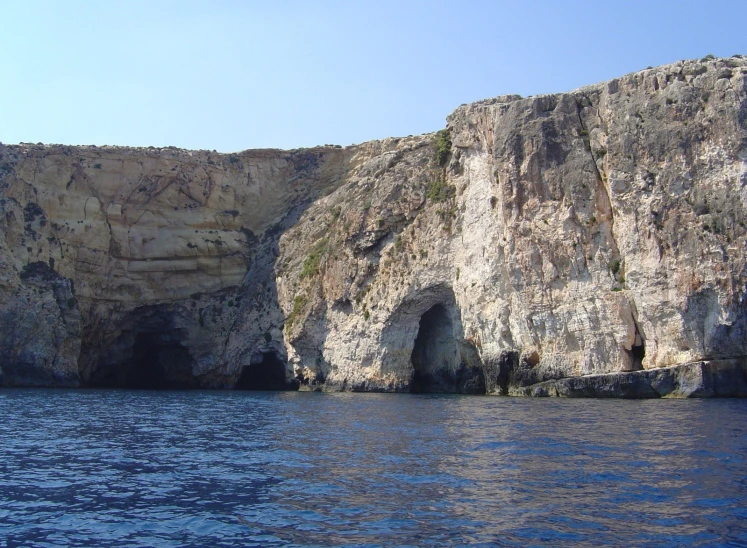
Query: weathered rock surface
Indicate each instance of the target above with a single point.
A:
(589, 243)
(114, 261)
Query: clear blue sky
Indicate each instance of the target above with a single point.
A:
(231, 75)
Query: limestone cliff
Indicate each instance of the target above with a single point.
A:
(589, 243)
(140, 267)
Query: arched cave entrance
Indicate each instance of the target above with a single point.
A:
(638, 352)
(151, 353)
(436, 358)
(266, 374)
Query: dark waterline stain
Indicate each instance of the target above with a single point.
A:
(195, 468)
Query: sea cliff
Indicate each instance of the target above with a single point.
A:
(589, 243)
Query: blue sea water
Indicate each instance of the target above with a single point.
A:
(141, 468)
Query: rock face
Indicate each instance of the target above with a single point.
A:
(590, 243)
(145, 267)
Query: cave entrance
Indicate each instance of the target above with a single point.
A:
(266, 374)
(435, 355)
(637, 353)
(638, 350)
(151, 352)
(159, 362)
(443, 363)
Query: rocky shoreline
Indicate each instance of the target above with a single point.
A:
(712, 379)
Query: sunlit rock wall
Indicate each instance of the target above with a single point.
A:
(595, 234)
(591, 232)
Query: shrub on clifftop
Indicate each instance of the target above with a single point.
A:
(443, 146)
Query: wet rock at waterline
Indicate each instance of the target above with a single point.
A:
(589, 243)
(721, 378)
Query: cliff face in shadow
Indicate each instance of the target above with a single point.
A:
(146, 267)
(594, 237)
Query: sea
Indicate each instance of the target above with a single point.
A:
(202, 468)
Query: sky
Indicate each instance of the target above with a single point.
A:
(232, 75)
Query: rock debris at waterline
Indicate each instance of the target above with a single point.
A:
(589, 243)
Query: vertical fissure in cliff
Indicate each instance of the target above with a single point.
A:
(586, 136)
(601, 178)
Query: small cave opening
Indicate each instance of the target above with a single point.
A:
(638, 350)
(637, 353)
(266, 374)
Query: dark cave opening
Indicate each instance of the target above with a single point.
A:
(435, 352)
(442, 363)
(637, 353)
(267, 374)
(144, 369)
(158, 362)
(638, 350)
(151, 355)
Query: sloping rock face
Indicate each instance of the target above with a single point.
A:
(590, 243)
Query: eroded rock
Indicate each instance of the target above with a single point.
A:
(584, 243)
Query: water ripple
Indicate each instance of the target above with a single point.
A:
(138, 468)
